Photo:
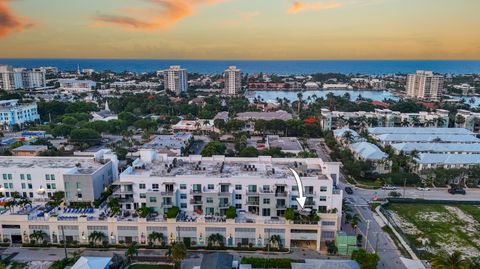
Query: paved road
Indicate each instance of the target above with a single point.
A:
(315, 145)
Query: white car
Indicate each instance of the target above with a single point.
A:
(423, 189)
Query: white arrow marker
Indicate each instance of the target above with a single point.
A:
(301, 199)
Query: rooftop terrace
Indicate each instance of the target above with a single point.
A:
(74, 165)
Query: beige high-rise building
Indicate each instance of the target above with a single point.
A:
(176, 79)
(233, 80)
(424, 85)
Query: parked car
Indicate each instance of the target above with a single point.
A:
(348, 190)
(423, 189)
(456, 190)
(389, 188)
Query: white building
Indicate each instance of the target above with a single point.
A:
(77, 85)
(424, 85)
(11, 112)
(173, 145)
(285, 144)
(233, 80)
(83, 179)
(104, 115)
(20, 78)
(175, 79)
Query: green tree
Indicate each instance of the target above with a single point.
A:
(121, 153)
(96, 236)
(38, 236)
(454, 261)
(231, 213)
(213, 148)
(85, 137)
(364, 259)
(177, 252)
(289, 214)
(249, 152)
(131, 251)
(114, 206)
(155, 237)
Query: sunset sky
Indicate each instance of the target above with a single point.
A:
(240, 29)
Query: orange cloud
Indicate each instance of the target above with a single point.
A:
(303, 6)
(165, 14)
(9, 21)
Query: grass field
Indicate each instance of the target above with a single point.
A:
(441, 227)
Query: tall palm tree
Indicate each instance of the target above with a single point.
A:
(441, 122)
(445, 261)
(131, 251)
(96, 236)
(39, 236)
(216, 240)
(177, 252)
(155, 237)
(348, 137)
(405, 122)
(276, 241)
(354, 221)
(300, 101)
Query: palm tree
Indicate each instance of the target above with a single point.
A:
(216, 240)
(96, 236)
(177, 252)
(131, 251)
(445, 261)
(441, 122)
(405, 122)
(114, 206)
(300, 101)
(415, 121)
(38, 236)
(155, 236)
(348, 137)
(354, 221)
(276, 241)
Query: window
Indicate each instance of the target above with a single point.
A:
(294, 188)
(323, 198)
(183, 205)
(252, 188)
(266, 188)
(153, 199)
(266, 201)
(238, 196)
(211, 186)
(329, 223)
(54, 186)
(30, 186)
(209, 200)
(183, 186)
(238, 187)
(143, 195)
(47, 177)
(78, 185)
(141, 186)
(52, 177)
(4, 176)
(183, 196)
(30, 194)
(323, 188)
(154, 186)
(10, 185)
(266, 212)
(29, 177)
(48, 186)
(10, 176)
(79, 195)
(22, 176)
(24, 186)
(238, 206)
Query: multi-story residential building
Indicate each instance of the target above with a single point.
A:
(77, 85)
(382, 118)
(11, 113)
(424, 85)
(20, 78)
(233, 80)
(468, 120)
(175, 79)
(83, 179)
(203, 188)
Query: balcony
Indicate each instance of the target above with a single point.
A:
(196, 192)
(310, 203)
(254, 202)
(252, 193)
(281, 206)
(196, 202)
(281, 194)
(167, 205)
(124, 191)
(224, 205)
(224, 193)
(310, 193)
(167, 193)
(125, 200)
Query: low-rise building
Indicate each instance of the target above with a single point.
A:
(285, 144)
(177, 143)
(12, 112)
(366, 151)
(104, 115)
(198, 125)
(77, 85)
(252, 116)
(29, 150)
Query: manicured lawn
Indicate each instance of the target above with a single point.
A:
(150, 266)
(441, 225)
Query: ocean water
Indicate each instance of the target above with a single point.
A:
(373, 67)
(292, 96)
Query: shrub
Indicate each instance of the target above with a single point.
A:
(172, 212)
(231, 212)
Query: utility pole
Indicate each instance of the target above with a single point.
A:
(64, 242)
(366, 235)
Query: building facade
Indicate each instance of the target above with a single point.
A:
(233, 80)
(175, 79)
(11, 113)
(83, 179)
(20, 78)
(424, 85)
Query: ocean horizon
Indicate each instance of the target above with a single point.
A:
(281, 67)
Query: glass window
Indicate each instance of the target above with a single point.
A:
(209, 200)
(141, 186)
(24, 186)
(52, 177)
(183, 186)
(266, 201)
(30, 186)
(183, 205)
(211, 186)
(4, 176)
(294, 188)
(323, 198)
(29, 177)
(323, 188)
(153, 199)
(143, 195)
(10, 176)
(48, 186)
(22, 176)
(238, 196)
(78, 185)
(47, 177)
(154, 186)
(183, 196)
(54, 186)
(238, 187)
(79, 195)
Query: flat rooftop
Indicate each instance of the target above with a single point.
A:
(437, 147)
(227, 167)
(284, 143)
(175, 141)
(277, 115)
(74, 165)
(440, 138)
(419, 130)
(448, 159)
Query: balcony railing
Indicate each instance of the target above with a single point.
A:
(196, 192)
(167, 205)
(255, 193)
(310, 193)
(224, 205)
(167, 193)
(224, 193)
(253, 202)
(281, 206)
(281, 194)
(196, 202)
